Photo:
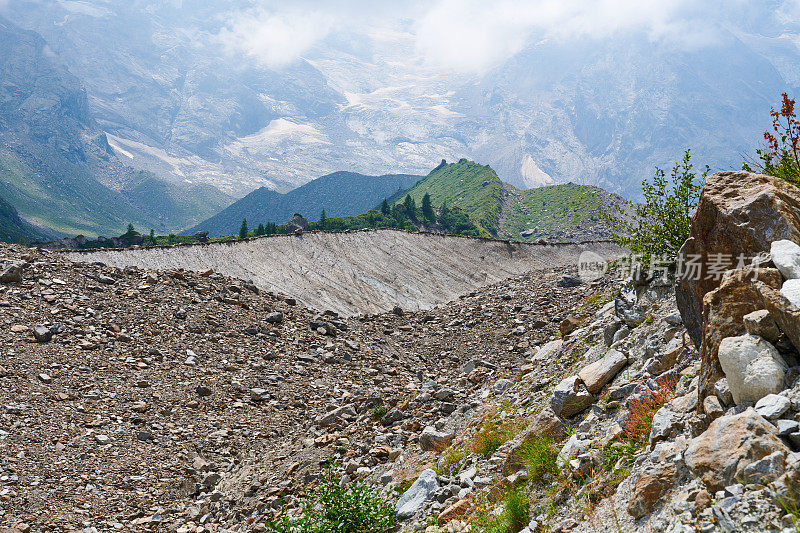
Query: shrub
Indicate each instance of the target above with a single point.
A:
(659, 226)
(781, 156)
(354, 508)
(495, 431)
(378, 411)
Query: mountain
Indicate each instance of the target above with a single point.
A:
(14, 229)
(56, 167)
(340, 194)
(498, 209)
(178, 99)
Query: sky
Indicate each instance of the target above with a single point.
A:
(471, 36)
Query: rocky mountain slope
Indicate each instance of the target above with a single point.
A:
(340, 194)
(189, 401)
(56, 167)
(598, 110)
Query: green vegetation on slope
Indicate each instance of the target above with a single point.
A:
(174, 206)
(340, 194)
(543, 211)
(474, 189)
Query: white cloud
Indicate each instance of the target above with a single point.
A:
(471, 35)
(275, 38)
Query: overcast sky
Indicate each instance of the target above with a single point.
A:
(472, 36)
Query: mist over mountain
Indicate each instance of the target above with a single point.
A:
(247, 94)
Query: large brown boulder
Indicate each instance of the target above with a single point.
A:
(723, 312)
(785, 314)
(720, 456)
(738, 213)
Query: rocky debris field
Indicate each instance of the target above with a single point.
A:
(191, 402)
(181, 400)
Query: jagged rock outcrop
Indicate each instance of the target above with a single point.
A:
(739, 214)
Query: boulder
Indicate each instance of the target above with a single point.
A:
(570, 397)
(785, 254)
(415, 497)
(720, 456)
(296, 224)
(430, 439)
(568, 325)
(11, 274)
(723, 316)
(782, 310)
(550, 351)
(766, 470)
(762, 324)
(738, 213)
(791, 291)
(772, 406)
(653, 482)
(753, 367)
(601, 372)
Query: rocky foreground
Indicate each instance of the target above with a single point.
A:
(192, 402)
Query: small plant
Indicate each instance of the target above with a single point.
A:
(616, 451)
(513, 516)
(378, 411)
(332, 508)
(539, 456)
(452, 461)
(493, 433)
(642, 409)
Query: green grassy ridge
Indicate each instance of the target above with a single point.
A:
(554, 207)
(474, 189)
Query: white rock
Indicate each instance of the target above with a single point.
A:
(772, 406)
(752, 366)
(791, 290)
(416, 496)
(786, 256)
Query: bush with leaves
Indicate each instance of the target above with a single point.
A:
(333, 507)
(659, 226)
(781, 156)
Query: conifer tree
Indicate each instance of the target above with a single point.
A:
(243, 229)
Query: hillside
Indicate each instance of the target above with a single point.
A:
(498, 209)
(56, 167)
(14, 229)
(340, 194)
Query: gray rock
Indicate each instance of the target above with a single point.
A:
(674, 319)
(762, 324)
(766, 470)
(394, 415)
(785, 427)
(501, 386)
(431, 439)
(621, 334)
(415, 497)
(274, 318)
(664, 423)
(786, 256)
(551, 350)
(570, 397)
(723, 392)
(11, 274)
(42, 334)
(772, 406)
(752, 366)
